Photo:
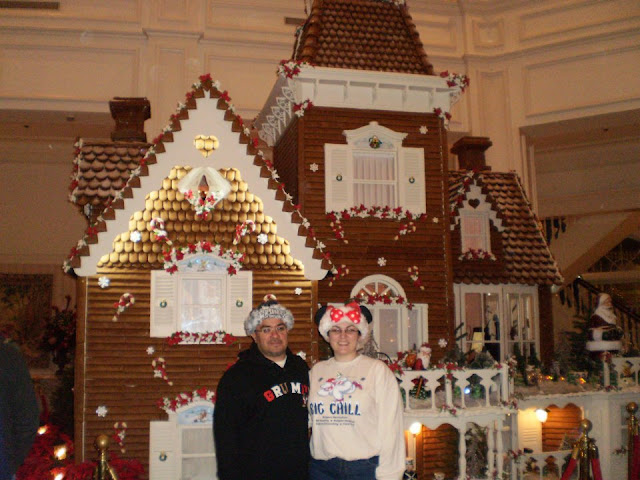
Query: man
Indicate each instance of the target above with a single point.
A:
(19, 411)
(260, 417)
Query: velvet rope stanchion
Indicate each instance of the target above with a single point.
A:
(635, 466)
(572, 463)
(595, 461)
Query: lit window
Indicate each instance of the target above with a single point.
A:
(474, 228)
(374, 169)
(395, 328)
(498, 319)
(199, 298)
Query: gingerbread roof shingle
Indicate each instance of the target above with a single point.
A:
(101, 169)
(373, 35)
(184, 228)
(526, 255)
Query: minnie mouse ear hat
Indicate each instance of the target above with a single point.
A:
(269, 308)
(350, 313)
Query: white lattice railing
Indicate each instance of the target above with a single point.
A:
(462, 389)
(627, 370)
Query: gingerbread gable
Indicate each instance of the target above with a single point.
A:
(207, 111)
(523, 256)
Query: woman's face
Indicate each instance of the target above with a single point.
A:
(343, 338)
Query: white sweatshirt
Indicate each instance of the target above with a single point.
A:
(355, 410)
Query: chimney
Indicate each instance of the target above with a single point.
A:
(130, 114)
(470, 152)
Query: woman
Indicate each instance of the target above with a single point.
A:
(355, 405)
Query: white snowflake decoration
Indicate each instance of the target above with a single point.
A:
(442, 343)
(314, 167)
(104, 282)
(298, 291)
(151, 350)
(382, 261)
(135, 236)
(102, 410)
(263, 238)
(435, 220)
(302, 355)
(424, 129)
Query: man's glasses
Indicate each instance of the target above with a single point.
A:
(350, 331)
(279, 329)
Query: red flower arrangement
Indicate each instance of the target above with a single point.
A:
(52, 453)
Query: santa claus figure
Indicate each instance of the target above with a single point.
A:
(604, 334)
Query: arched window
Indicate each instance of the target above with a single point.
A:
(395, 327)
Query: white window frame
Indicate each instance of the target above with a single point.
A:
(409, 192)
(403, 313)
(165, 443)
(503, 290)
(166, 299)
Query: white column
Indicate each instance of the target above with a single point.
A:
(499, 447)
(462, 452)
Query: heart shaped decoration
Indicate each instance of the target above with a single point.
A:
(474, 202)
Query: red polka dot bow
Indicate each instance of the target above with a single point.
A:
(353, 314)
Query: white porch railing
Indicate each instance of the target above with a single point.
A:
(459, 397)
(453, 390)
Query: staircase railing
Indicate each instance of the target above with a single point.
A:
(582, 296)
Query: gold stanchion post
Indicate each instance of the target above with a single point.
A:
(632, 430)
(103, 470)
(584, 444)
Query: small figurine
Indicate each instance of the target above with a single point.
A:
(409, 470)
(423, 358)
(604, 334)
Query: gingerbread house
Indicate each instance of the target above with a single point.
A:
(351, 197)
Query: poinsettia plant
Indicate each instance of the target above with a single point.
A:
(52, 456)
(60, 335)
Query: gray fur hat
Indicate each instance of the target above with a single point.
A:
(269, 308)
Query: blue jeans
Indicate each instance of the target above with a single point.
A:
(338, 469)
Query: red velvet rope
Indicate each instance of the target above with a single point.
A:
(570, 468)
(595, 468)
(635, 464)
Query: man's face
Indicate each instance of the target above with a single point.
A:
(271, 337)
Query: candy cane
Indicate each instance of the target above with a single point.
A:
(126, 300)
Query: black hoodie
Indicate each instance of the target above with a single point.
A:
(260, 419)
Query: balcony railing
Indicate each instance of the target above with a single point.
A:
(450, 390)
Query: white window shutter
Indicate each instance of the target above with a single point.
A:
(163, 455)
(163, 304)
(338, 177)
(240, 291)
(411, 167)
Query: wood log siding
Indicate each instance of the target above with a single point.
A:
(371, 238)
(560, 422)
(437, 451)
(116, 371)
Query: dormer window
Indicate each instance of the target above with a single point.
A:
(475, 217)
(474, 229)
(374, 169)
